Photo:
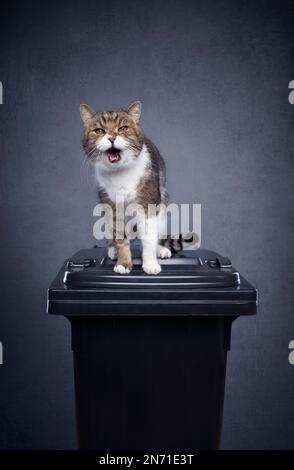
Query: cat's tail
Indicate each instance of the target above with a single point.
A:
(186, 241)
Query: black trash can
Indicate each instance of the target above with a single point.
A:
(150, 351)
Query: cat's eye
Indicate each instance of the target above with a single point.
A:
(123, 128)
(99, 130)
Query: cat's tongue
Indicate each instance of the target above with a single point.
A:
(114, 157)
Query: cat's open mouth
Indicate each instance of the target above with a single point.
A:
(113, 155)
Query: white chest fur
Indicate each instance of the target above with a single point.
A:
(123, 183)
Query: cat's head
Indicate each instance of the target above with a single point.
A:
(112, 139)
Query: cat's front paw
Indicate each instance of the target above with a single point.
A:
(120, 269)
(152, 268)
(163, 252)
(112, 252)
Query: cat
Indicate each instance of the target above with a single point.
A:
(130, 167)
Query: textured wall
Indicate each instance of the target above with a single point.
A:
(213, 79)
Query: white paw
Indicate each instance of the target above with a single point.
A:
(120, 269)
(152, 268)
(163, 252)
(112, 253)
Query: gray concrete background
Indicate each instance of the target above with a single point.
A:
(213, 78)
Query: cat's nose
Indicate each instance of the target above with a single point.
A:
(111, 138)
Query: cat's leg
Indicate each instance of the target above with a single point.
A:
(162, 250)
(112, 252)
(149, 239)
(110, 217)
(120, 247)
(124, 257)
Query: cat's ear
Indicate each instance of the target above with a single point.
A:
(86, 113)
(135, 111)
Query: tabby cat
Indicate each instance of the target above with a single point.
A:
(129, 167)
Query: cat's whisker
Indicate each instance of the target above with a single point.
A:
(88, 169)
(87, 173)
(92, 151)
(82, 167)
(93, 148)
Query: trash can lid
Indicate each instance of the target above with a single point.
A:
(187, 268)
(190, 282)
